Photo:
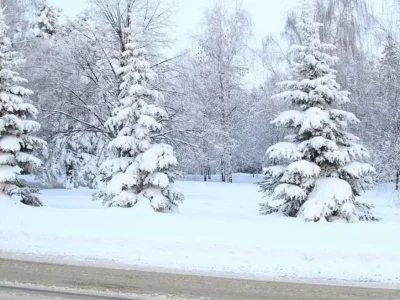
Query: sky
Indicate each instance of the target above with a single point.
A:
(268, 15)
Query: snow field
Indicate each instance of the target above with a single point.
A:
(218, 232)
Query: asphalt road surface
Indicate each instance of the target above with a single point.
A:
(22, 280)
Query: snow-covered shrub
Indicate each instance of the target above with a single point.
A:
(75, 157)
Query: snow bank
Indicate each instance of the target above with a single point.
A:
(7, 201)
(218, 232)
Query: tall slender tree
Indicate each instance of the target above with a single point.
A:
(16, 126)
(387, 112)
(221, 67)
(144, 167)
(319, 176)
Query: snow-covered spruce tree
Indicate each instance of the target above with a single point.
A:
(47, 25)
(319, 176)
(143, 171)
(16, 127)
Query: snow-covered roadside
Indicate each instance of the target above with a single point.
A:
(218, 232)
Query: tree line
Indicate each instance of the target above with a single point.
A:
(217, 122)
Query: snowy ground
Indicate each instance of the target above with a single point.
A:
(218, 232)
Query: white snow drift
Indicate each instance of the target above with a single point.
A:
(219, 231)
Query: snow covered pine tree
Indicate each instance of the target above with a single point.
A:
(144, 168)
(48, 20)
(319, 177)
(16, 143)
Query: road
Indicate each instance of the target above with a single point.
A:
(46, 281)
(9, 291)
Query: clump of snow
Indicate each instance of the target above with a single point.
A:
(305, 168)
(327, 195)
(289, 191)
(284, 150)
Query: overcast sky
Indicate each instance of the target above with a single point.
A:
(267, 15)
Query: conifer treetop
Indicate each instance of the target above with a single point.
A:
(47, 20)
